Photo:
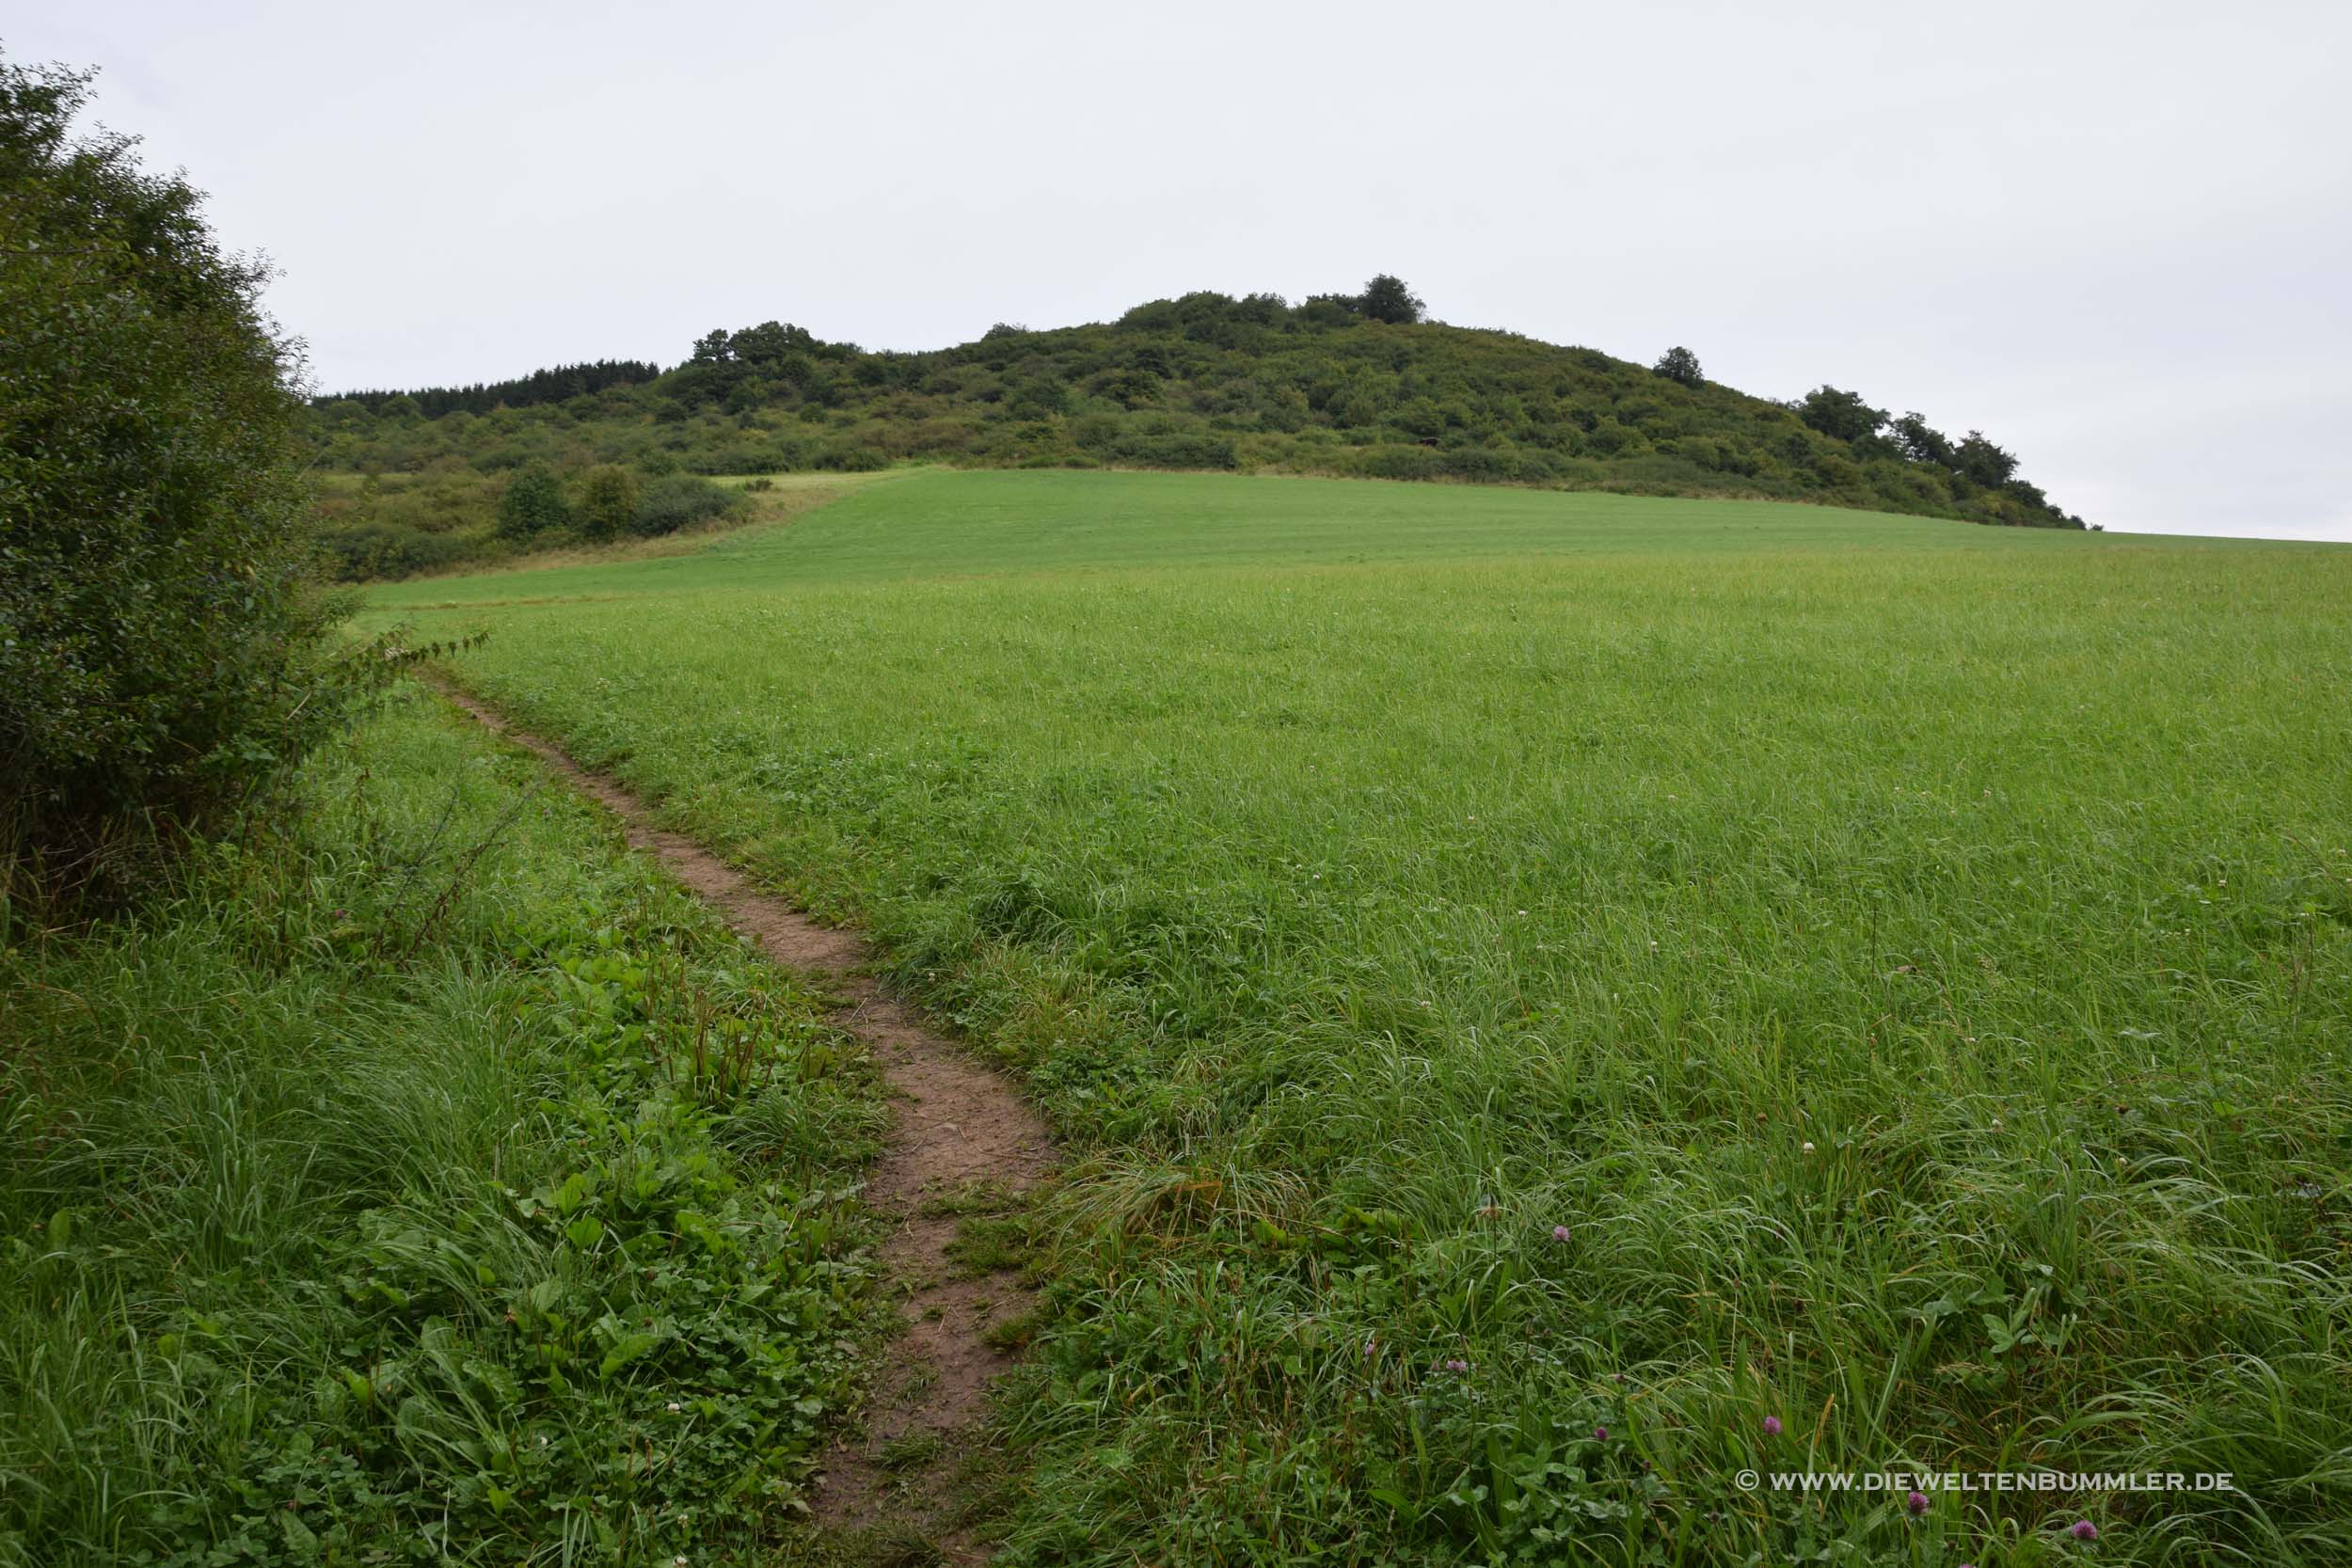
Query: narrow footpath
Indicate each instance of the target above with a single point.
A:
(956, 1128)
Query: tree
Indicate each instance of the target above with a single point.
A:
(163, 650)
(1680, 364)
(1983, 462)
(1387, 299)
(1843, 414)
(1922, 442)
(608, 500)
(534, 503)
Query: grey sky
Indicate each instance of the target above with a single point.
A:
(2115, 237)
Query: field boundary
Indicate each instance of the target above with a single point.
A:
(957, 1131)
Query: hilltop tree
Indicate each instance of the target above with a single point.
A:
(1921, 442)
(1843, 414)
(1387, 299)
(771, 344)
(1983, 463)
(1680, 364)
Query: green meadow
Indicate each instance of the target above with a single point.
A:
(1535, 984)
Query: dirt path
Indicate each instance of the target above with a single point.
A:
(957, 1128)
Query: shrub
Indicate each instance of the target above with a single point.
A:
(371, 548)
(161, 635)
(1395, 462)
(1478, 463)
(680, 500)
(533, 504)
(1175, 449)
(849, 458)
(609, 498)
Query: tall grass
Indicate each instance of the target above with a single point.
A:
(1672, 966)
(357, 1205)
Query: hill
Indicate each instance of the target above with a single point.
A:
(1354, 386)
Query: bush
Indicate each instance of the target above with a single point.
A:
(1394, 462)
(848, 458)
(369, 548)
(161, 634)
(1482, 464)
(680, 501)
(609, 499)
(533, 504)
(1175, 449)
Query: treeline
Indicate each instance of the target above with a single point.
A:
(1350, 383)
(554, 385)
(1971, 464)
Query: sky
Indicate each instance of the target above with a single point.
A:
(2116, 238)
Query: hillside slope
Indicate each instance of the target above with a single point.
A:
(1205, 382)
(1555, 1000)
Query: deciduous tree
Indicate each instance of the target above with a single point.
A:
(1680, 364)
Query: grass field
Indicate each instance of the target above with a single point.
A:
(1545, 983)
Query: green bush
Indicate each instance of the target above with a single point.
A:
(680, 501)
(1174, 449)
(534, 503)
(849, 458)
(609, 498)
(1396, 462)
(370, 548)
(161, 635)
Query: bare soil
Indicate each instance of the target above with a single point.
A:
(957, 1128)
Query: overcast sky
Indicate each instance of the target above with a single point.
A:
(2114, 237)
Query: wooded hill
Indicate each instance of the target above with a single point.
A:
(1349, 384)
